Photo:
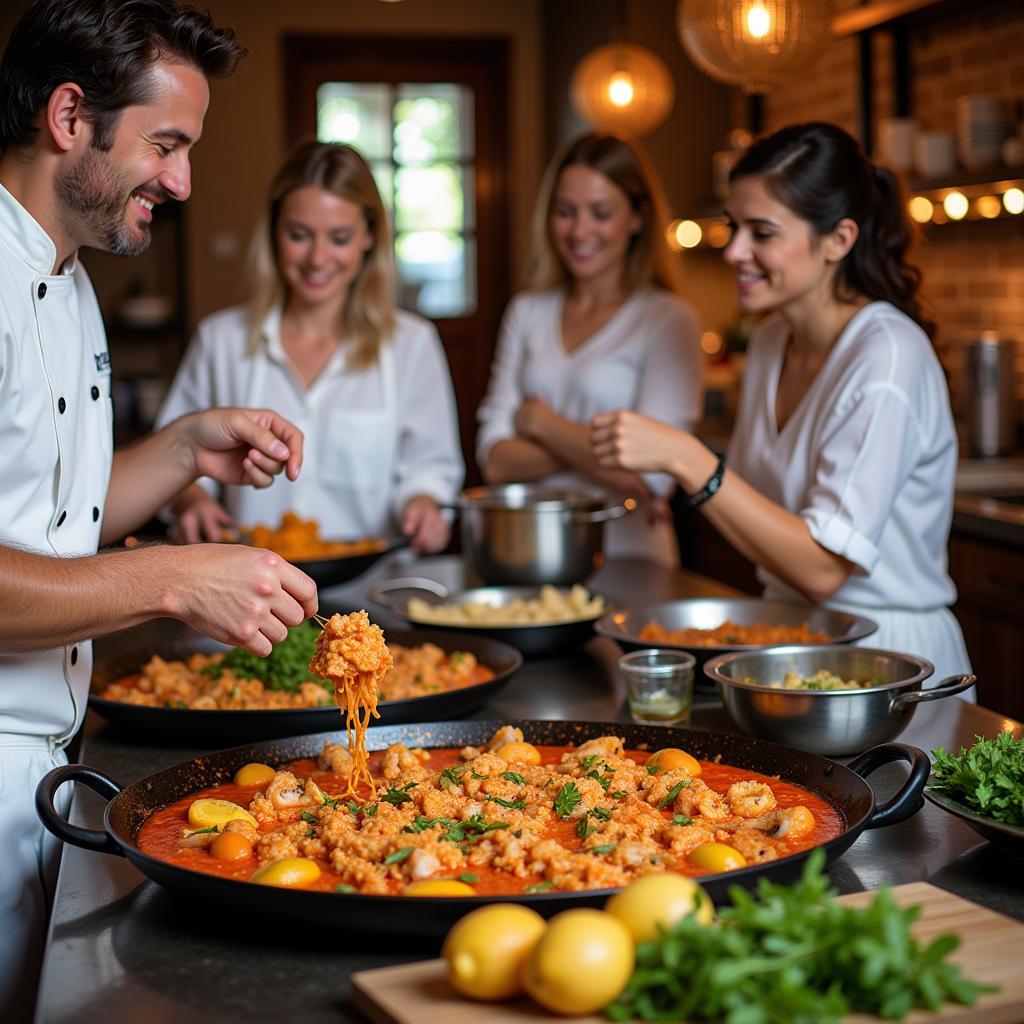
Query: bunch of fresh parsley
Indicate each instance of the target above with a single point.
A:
(286, 667)
(792, 955)
(988, 779)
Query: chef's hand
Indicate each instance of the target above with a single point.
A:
(424, 525)
(198, 517)
(242, 596)
(243, 446)
(531, 417)
(627, 440)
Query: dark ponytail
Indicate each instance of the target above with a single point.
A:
(819, 172)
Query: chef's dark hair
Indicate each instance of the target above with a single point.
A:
(820, 172)
(106, 47)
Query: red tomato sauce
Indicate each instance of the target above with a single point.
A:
(160, 835)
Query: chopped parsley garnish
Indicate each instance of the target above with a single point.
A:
(204, 831)
(514, 777)
(452, 776)
(603, 781)
(619, 794)
(469, 877)
(601, 812)
(399, 795)
(311, 819)
(512, 805)
(590, 761)
(566, 799)
(988, 778)
(673, 793)
(472, 830)
(286, 667)
(584, 828)
(681, 819)
(310, 833)
(603, 848)
(353, 806)
(652, 769)
(420, 823)
(477, 775)
(539, 887)
(333, 802)
(399, 855)
(370, 810)
(344, 887)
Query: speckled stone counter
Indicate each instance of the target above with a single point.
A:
(123, 949)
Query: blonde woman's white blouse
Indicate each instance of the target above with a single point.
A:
(374, 436)
(646, 358)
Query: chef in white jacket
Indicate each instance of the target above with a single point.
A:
(321, 339)
(83, 161)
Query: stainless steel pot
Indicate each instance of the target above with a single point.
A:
(530, 534)
(829, 722)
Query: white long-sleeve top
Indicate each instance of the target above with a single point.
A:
(646, 358)
(868, 460)
(374, 436)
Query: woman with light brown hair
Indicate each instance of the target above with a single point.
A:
(322, 340)
(600, 328)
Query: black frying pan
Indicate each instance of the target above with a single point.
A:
(215, 728)
(328, 572)
(844, 787)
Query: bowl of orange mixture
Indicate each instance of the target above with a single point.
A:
(551, 814)
(175, 691)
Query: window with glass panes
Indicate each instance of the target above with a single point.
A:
(418, 140)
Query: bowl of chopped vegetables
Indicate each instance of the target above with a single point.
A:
(829, 699)
(983, 786)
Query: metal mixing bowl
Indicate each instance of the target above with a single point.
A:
(530, 534)
(829, 722)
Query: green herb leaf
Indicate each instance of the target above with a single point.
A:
(345, 887)
(514, 777)
(539, 887)
(399, 795)
(602, 780)
(670, 796)
(566, 799)
(681, 819)
(452, 776)
(603, 848)
(399, 855)
(590, 761)
(514, 805)
(469, 877)
(311, 819)
(285, 668)
(619, 794)
(583, 826)
(988, 778)
(204, 831)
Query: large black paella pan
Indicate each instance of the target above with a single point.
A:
(844, 787)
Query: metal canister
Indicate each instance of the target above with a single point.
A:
(990, 400)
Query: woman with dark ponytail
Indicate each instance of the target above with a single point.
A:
(842, 463)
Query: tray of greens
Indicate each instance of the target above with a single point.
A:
(983, 786)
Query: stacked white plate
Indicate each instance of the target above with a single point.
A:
(982, 124)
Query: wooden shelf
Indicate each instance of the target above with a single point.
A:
(876, 14)
(998, 179)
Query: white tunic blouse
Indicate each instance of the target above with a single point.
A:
(868, 460)
(646, 358)
(374, 437)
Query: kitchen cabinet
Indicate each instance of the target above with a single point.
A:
(990, 608)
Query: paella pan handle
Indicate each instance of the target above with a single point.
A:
(948, 686)
(909, 800)
(87, 838)
(602, 515)
(382, 593)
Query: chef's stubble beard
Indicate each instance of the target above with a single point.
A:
(97, 195)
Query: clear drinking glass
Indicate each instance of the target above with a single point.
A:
(659, 685)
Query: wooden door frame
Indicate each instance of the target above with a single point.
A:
(482, 64)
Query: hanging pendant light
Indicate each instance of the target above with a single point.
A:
(753, 43)
(622, 86)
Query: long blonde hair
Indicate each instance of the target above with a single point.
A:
(368, 315)
(624, 163)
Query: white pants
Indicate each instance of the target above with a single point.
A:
(29, 856)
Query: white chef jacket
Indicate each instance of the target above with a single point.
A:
(374, 436)
(868, 460)
(55, 458)
(646, 358)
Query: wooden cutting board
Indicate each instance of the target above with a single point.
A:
(991, 950)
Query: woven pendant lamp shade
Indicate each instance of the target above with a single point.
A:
(622, 86)
(753, 43)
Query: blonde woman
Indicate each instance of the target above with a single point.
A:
(321, 340)
(601, 328)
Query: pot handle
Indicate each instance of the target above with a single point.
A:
(948, 686)
(909, 800)
(92, 778)
(381, 593)
(602, 515)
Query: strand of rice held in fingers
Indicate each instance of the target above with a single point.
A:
(352, 654)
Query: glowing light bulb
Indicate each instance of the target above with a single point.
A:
(1013, 200)
(620, 89)
(989, 207)
(688, 233)
(956, 205)
(921, 209)
(759, 21)
(711, 342)
(718, 234)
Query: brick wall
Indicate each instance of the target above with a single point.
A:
(973, 271)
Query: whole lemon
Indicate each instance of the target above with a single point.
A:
(661, 898)
(581, 963)
(486, 950)
(717, 857)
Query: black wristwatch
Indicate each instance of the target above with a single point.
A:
(710, 489)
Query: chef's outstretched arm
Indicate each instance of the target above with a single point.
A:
(233, 446)
(239, 595)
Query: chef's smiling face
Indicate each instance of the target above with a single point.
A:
(109, 194)
(592, 223)
(777, 257)
(321, 240)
